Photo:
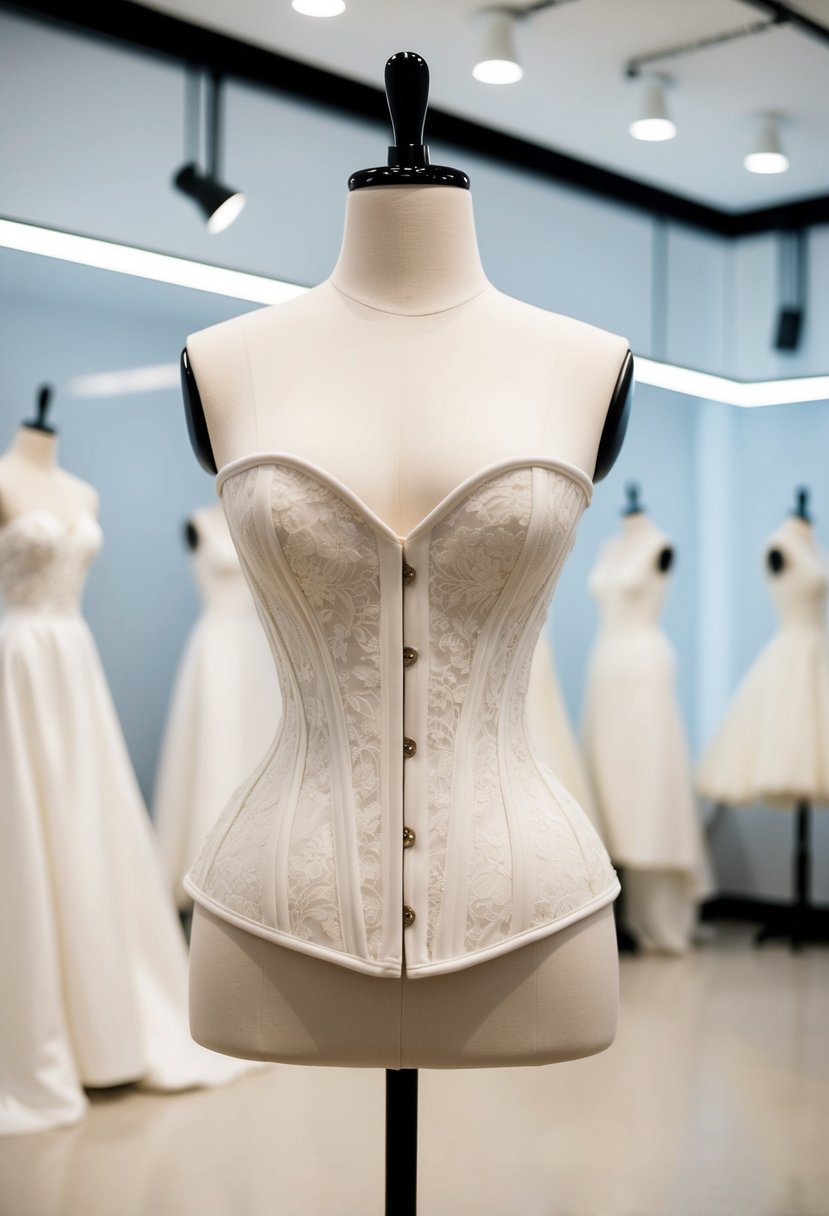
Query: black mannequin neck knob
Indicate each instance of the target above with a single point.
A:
(44, 398)
(633, 504)
(801, 507)
(407, 92)
(407, 95)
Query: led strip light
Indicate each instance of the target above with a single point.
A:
(241, 285)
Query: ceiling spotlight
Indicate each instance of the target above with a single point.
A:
(319, 8)
(653, 122)
(221, 204)
(767, 155)
(498, 61)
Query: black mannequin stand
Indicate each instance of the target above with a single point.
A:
(401, 1142)
(802, 922)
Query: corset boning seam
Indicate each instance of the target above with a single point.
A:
(451, 935)
(347, 870)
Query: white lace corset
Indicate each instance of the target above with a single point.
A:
(44, 561)
(341, 845)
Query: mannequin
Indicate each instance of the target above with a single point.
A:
(550, 728)
(30, 477)
(90, 947)
(461, 377)
(773, 744)
(635, 741)
(225, 705)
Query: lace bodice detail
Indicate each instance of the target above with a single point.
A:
(44, 561)
(626, 581)
(799, 590)
(404, 666)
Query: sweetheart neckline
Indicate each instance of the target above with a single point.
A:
(68, 526)
(254, 459)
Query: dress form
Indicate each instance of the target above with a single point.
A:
(31, 479)
(460, 379)
(225, 704)
(635, 742)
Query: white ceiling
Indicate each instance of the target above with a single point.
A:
(574, 96)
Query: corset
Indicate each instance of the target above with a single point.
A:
(401, 817)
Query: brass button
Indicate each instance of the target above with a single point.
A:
(409, 573)
(409, 656)
(409, 747)
(409, 916)
(409, 837)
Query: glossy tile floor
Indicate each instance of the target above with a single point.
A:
(714, 1101)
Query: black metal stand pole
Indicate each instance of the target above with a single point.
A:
(804, 923)
(626, 943)
(802, 875)
(401, 1142)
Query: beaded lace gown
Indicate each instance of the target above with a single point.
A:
(94, 965)
(225, 706)
(773, 744)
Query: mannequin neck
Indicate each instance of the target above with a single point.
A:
(410, 250)
(38, 448)
(635, 523)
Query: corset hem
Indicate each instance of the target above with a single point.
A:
(278, 937)
(392, 969)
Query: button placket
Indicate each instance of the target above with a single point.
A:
(409, 659)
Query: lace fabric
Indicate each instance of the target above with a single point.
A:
(309, 851)
(44, 561)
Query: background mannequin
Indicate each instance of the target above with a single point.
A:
(635, 741)
(225, 705)
(551, 731)
(461, 377)
(773, 743)
(92, 955)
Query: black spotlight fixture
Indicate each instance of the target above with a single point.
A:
(219, 203)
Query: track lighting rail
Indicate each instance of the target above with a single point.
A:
(634, 67)
(780, 14)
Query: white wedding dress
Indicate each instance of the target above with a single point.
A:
(773, 744)
(635, 744)
(225, 707)
(92, 956)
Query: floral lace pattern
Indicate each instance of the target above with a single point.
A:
(308, 851)
(44, 561)
(472, 554)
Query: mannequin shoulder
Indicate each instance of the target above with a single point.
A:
(223, 365)
(219, 355)
(85, 494)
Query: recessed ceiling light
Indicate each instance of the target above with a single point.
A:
(319, 8)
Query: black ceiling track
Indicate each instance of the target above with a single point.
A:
(158, 33)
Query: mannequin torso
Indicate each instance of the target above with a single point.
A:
(402, 376)
(30, 480)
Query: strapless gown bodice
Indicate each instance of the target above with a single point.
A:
(44, 562)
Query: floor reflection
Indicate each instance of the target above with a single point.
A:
(714, 1099)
